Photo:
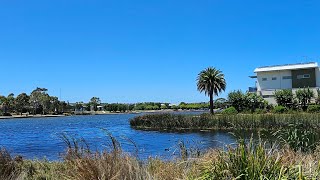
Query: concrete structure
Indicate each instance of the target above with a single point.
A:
(289, 76)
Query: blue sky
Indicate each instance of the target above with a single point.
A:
(148, 50)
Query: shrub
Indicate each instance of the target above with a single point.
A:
(313, 108)
(260, 111)
(284, 97)
(299, 138)
(304, 97)
(230, 110)
(280, 109)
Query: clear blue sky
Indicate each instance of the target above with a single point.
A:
(148, 50)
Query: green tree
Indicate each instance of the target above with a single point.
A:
(79, 106)
(22, 102)
(255, 101)
(284, 98)
(304, 97)
(11, 102)
(38, 98)
(94, 102)
(221, 103)
(4, 104)
(211, 81)
(7, 103)
(318, 97)
(238, 100)
(54, 104)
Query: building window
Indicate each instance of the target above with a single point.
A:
(264, 79)
(305, 76)
(286, 77)
(274, 78)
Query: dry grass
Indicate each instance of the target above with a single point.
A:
(9, 167)
(245, 162)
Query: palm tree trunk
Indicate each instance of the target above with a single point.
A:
(211, 103)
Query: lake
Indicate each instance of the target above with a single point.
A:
(36, 138)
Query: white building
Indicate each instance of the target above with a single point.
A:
(289, 76)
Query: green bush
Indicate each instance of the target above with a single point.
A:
(280, 109)
(260, 111)
(230, 110)
(313, 108)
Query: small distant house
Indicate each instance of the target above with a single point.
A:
(288, 76)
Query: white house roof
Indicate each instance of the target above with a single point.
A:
(287, 67)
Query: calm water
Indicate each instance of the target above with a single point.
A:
(39, 137)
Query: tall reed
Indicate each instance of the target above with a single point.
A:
(210, 122)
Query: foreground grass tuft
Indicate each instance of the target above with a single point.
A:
(245, 161)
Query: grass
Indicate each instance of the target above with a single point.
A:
(221, 121)
(246, 161)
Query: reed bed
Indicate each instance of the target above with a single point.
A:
(246, 161)
(221, 121)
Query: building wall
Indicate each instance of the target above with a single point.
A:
(304, 82)
(270, 83)
(317, 76)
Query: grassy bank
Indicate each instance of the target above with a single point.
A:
(216, 122)
(242, 162)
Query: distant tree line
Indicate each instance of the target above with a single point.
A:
(37, 102)
(95, 102)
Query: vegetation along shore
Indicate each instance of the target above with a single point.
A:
(244, 161)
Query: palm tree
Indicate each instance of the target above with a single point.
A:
(211, 81)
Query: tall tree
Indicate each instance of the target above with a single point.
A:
(11, 101)
(4, 104)
(37, 98)
(21, 102)
(211, 81)
(94, 102)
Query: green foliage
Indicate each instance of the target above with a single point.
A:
(255, 102)
(148, 106)
(230, 110)
(298, 137)
(318, 97)
(211, 81)
(220, 103)
(237, 100)
(94, 103)
(280, 109)
(232, 122)
(194, 106)
(313, 108)
(284, 98)
(304, 97)
(249, 101)
(246, 161)
(22, 102)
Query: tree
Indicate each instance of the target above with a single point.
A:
(10, 102)
(94, 102)
(255, 101)
(304, 97)
(4, 104)
(318, 97)
(21, 102)
(54, 104)
(211, 81)
(284, 98)
(221, 103)
(39, 97)
(79, 106)
(237, 99)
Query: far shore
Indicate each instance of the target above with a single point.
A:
(95, 113)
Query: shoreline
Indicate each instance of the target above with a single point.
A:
(30, 116)
(87, 113)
